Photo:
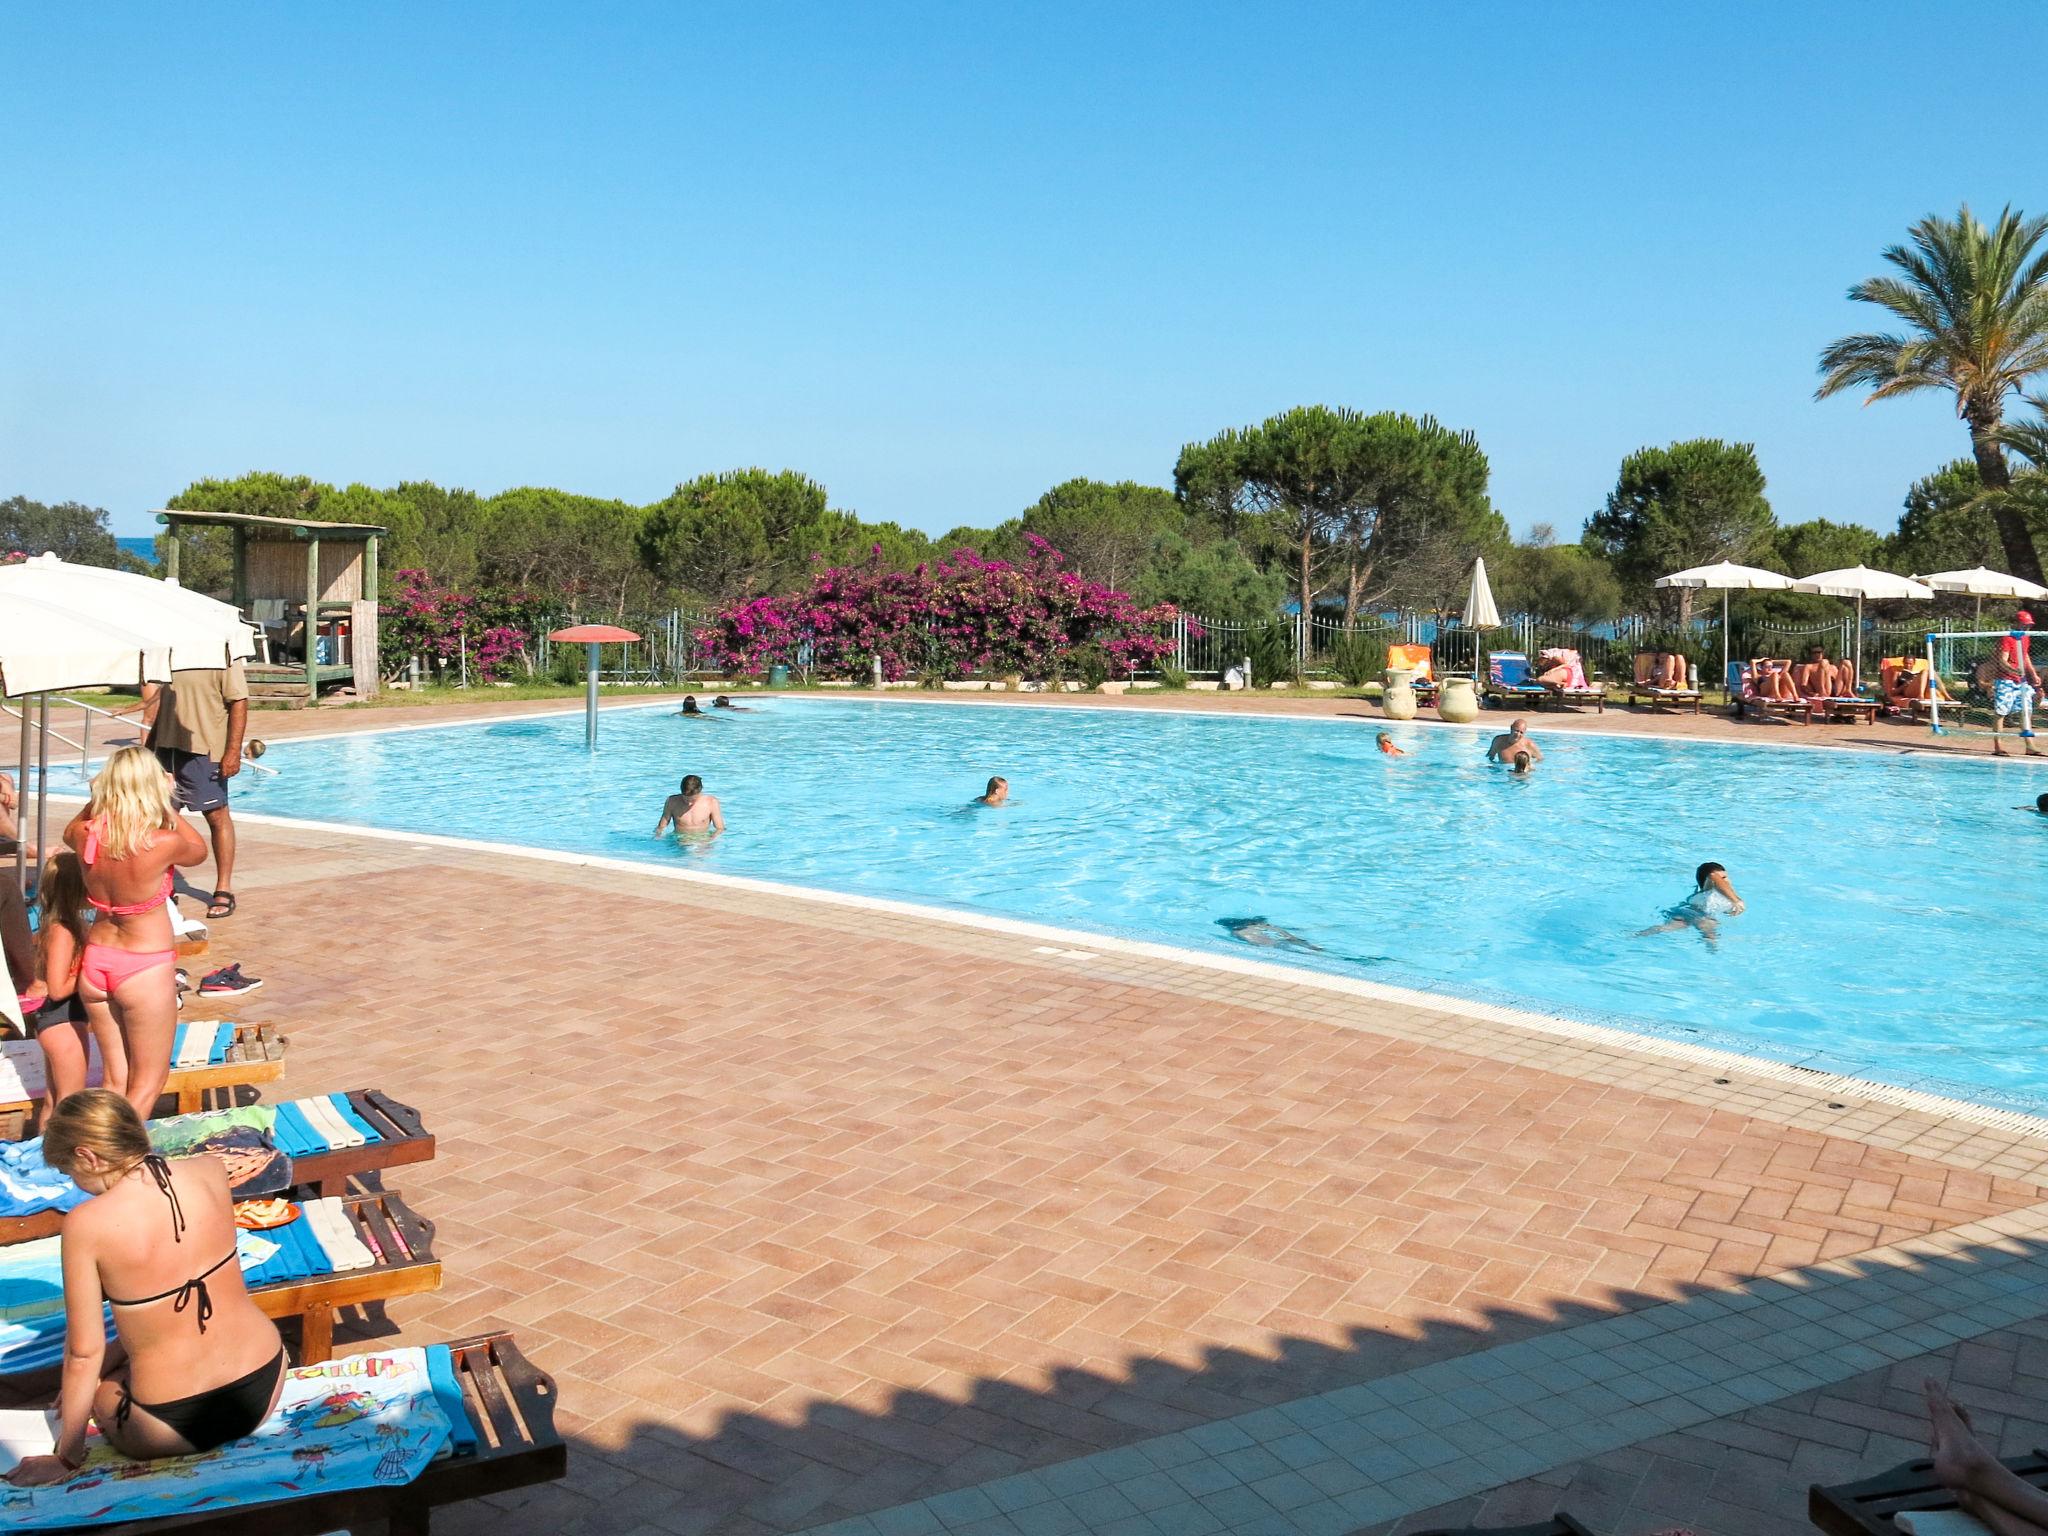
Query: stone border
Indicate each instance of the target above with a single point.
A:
(1957, 1133)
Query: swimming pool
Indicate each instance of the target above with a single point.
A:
(1894, 928)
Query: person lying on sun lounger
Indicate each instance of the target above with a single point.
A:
(1770, 679)
(1819, 678)
(196, 1364)
(1983, 1485)
(1668, 670)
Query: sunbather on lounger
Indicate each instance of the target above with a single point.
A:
(1983, 1485)
(1819, 678)
(1669, 671)
(1713, 898)
(1512, 740)
(195, 1364)
(1770, 679)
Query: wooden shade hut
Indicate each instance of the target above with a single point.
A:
(311, 588)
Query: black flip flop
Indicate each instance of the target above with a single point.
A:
(222, 905)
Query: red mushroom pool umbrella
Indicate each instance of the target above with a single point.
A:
(592, 635)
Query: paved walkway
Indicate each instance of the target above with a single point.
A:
(820, 1215)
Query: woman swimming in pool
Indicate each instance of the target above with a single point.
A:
(1713, 898)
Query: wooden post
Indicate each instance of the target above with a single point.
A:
(312, 621)
(242, 568)
(170, 549)
(362, 643)
(370, 571)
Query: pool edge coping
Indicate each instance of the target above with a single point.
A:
(1815, 1084)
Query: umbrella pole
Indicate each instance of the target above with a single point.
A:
(590, 702)
(21, 766)
(43, 782)
(1724, 637)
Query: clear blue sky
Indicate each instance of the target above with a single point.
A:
(942, 258)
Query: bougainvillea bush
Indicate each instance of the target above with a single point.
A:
(425, 619)
(960, 616)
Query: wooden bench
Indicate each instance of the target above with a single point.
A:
(405, 1140)
(257, 1056)
(1866, 1508)
(406, 1266)
(511, 1406)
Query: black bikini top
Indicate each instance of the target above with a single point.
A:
(193, 1290)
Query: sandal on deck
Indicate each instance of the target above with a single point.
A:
(222, 905)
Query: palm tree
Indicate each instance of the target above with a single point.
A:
(2029, 439)
(1975, 301)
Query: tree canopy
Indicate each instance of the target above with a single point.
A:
(70, 530)
(1973, 300)
(1692, 503)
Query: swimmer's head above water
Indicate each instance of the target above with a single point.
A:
(1521, 762)
(1706, 872)
(690, 705)
(997, 792)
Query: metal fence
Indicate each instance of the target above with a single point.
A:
(1321, 647)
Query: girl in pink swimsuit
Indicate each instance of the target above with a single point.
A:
(128, 838)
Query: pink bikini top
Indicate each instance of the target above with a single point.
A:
(89, 855)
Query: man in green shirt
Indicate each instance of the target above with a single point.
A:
(196, 723)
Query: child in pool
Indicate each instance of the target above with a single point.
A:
(1713, 898)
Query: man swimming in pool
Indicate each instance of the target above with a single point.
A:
(724, 701)
(691, 810)
(690, 708)
(1256, 930)
(1514, 739)
(997, 793)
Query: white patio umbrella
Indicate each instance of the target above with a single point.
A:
(199, 631)
(46, 646)
(1982, 583)
(1725, 576)
(1860, 582)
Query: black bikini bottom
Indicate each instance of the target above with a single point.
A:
(209, 1419)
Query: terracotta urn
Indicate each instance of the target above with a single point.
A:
(1457, 700)
(1398, 697)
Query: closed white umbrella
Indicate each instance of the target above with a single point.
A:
(1726, 576)
(1860, 582)
(198, 630)
(1981, 583)
(1480, 612)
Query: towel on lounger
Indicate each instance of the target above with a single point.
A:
(360, 1422)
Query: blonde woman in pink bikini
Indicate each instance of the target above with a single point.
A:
(129, 838)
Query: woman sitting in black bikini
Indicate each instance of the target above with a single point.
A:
(194, 1364)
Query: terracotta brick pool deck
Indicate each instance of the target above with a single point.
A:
(825, 1215)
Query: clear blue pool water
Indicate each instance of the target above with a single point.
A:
(1897, 924)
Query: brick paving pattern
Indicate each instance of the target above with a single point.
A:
(809, 1225)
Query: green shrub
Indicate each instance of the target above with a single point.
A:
(1359, 658)
(1090, 663)
(1172, 678)
(1272, 654)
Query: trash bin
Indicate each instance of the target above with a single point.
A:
(778, 676)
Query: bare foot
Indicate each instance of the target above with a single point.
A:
(1957, 1453)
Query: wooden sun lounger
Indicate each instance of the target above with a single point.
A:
(511, 1406)
(1663, 698)
(257, 1056)
(1866, 1508)
(406, 1140)
(1764, 708)
(1854, 710)
(405, 1266)
(1560, 1524)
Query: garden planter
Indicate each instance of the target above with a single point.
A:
(1398, 697)
(1457, 701)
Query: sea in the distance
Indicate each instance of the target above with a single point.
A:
(142, 546)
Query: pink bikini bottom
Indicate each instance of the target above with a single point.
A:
(107, 967)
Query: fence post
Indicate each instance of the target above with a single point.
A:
(1300, 641)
